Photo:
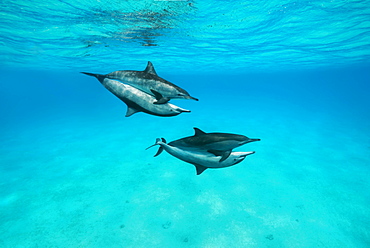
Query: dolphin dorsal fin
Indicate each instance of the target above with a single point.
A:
(150, 69)
(131, 111)
(198, 132)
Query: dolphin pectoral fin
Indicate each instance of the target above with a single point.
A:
(216, 152)
(131, 111)
(225, 155)
(157, 95)
(198, 132)
(200, 168)
(150, 69)
(160, 99)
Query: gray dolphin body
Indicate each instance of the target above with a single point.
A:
(137, 100)
(202, 160)
(219, 144)
(149, 82)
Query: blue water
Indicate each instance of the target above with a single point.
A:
(74, 171)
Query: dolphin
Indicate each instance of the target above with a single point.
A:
(219, 144)
(200, 159)
(137, 100)
(149, 82)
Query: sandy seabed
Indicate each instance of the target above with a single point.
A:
(87, 181)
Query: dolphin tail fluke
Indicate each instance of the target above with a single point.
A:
(158, 142)
(100, 77)
(160, 150)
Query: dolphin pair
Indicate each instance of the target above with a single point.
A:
(204, 149)
(200, 159)
(149, 82)
(219, 144)
(137, 100)
(143, 91)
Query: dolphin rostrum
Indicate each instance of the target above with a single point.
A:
(137, 100)
(219, 144)
(202, 160)
(149, 82)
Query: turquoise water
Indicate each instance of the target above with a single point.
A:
(74, 171)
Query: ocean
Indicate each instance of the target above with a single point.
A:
(75, 172)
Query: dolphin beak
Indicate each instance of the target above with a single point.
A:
(246, 154)
(192, 98)
(181, 110)
(242, 157)
(250, 140)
